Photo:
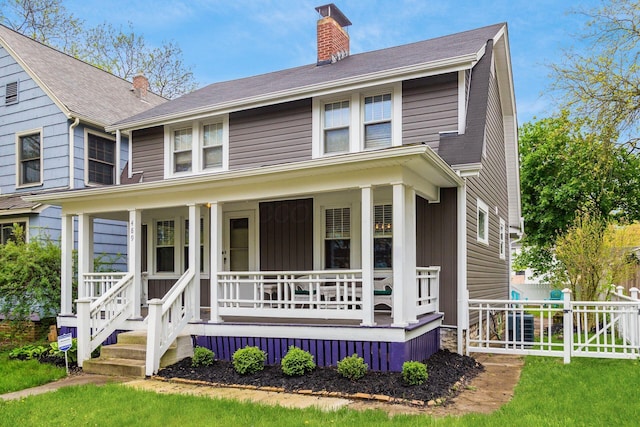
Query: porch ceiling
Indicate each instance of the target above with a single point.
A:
(417, 166)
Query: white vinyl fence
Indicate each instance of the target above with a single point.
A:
(562, 328)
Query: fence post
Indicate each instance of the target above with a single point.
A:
(620, 290)
(568, 324)
(633, 293)
(635, 326)
(83, 307)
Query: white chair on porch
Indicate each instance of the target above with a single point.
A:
(382, 291)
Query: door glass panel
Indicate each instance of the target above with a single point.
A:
(239, 244)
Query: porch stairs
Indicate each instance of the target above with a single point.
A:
(127, 357)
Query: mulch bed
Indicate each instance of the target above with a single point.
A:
(447, 373)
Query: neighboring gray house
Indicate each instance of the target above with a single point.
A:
(347, 206)
(53, 113)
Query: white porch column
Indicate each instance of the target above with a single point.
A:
(66, 273)
(367, 256)
(215, 231)
(134, 257)
(85, 251)
(400, 285)
(409, 257)
(194, 255)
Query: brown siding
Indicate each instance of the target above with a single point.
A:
(437, 244)
(148, 153)
(487, 274)
(429, 106)
(270, 135)
(286, 235)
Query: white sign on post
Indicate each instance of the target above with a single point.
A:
(65, 341)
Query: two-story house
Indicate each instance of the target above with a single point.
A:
(348, 206)
(53, 113)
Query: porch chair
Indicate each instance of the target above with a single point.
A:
(382, 292)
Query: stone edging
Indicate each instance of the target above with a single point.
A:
(360, 396)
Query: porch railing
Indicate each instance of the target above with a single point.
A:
(99, 317)
(168, 317)
(308, 294)
(428, 289)
(629, 325)
(97, 284)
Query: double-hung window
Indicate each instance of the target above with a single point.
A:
(377, 121)
(101, 160)
(165, 249)
(182, 149)
(212, 145)
(382, 236)
(337, 239)
(336, 127)
(29, 162)
(482, 222)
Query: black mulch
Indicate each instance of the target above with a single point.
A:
(444, 368)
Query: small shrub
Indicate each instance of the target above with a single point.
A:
(352, 367)
(249, 360)
(202, 356)
(414, 373)
(297, 362)
(28, 352)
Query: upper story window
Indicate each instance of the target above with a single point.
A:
(362, 120)
(337, 238)
(11, 93)
(482, 222)
(101, 160)
(197, 147)
(29, 158)
(336, 127)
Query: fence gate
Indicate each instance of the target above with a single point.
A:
(561, 328)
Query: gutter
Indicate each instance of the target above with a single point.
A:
(71, 152)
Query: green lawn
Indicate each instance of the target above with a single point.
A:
(17, 375)
(587, 392)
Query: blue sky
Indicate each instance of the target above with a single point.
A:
(223, 40)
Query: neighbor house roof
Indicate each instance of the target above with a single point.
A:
(79, 89)
(466, 47)
(13, 204)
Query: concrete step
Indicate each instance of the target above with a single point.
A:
(115, 367)
(124, 351)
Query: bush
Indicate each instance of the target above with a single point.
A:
(29, 352)
(352, 367)
(72, 353)
(297, 362)
(414, 373)
(249, 360)
(202, 356)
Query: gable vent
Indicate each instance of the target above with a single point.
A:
(11, 94)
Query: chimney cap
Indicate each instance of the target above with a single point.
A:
(333, 11)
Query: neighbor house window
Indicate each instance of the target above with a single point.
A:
(382, 236)
(29, 159)
(483, 222)
(377, 121)
(11, 93)
(101, 159)
(503, 239)
(337, 239)
(182, 155)
(212, 146)
(7, 231)
(165, 251)
(336, 127)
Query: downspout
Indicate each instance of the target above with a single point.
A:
(118, 155)
(462, 292)
(72, 126)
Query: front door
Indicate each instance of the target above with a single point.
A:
(240, 241)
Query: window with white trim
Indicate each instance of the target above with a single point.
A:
(377, 121)
(101, 160)
(482, 222)
(337, 238)
(182, 144)
(503, 239)
(382, 236)
(7, 231)
(212, 145)
(336, 127)
(11, 93)
(165, 246)
(29, 158)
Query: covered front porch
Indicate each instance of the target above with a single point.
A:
(313, 253)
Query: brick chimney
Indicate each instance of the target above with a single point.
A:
(333, 39)
(140, 86)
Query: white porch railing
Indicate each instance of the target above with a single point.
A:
(305, 294)
(97, 284)
(428, 289)
(168, 317)
(99, 316)
(629, 325)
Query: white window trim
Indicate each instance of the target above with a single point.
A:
(503, 239)
(356, 126)
(19, 219)
(86, 157)
(196, 146)
(323, 234)
(482, 206)
(18, 160)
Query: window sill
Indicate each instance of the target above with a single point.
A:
(37, 184)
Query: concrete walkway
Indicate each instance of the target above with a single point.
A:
(80, 379)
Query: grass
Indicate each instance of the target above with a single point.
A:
(587, 392)
(17, 375)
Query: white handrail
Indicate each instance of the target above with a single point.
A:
(427, 289)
